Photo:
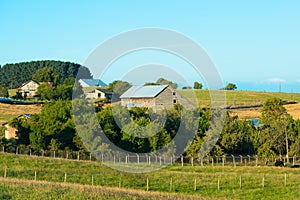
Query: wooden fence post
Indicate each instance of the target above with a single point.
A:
(218, 182)
(181, 157)
(92, 180)
(285, 179)
(256, 160)
(65, 180)
(159, 160)
(35, 175)
(195, 184)
(5, 172)
(171, 184)
(147, 184)
(240, 181)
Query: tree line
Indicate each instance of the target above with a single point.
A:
(54, 129)
(13, 75)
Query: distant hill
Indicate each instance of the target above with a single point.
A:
(13, 75)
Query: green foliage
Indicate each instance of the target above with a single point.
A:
(230, 86)
(45, 92)
(187, 88)
(3, 91)
(54, 122)
(118, 87)
(46, 74)
(198, 86)
(162, 81)
(276, 122)
(23, 130)
(13, 75)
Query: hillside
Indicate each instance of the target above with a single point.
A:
(39, 178)
(245, 98)
(9, 111)
(238, 97)
(13, 75)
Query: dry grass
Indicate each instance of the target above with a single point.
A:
(9, 111)
(97, 191)
(254, 113)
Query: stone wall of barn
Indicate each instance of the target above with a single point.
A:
(166, 99)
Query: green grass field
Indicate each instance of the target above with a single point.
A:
(17, 169)
(237, 97)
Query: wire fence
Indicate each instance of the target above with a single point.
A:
(152, 159)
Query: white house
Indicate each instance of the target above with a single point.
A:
(29, 88)
(98, 93)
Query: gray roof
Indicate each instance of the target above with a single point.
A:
(149, 91)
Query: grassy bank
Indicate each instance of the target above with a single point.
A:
(207, 182)
(237, 97)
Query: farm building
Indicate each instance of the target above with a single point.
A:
(91, 82)
(157, 97)
(30, 88)
(11, 132)
(98, 93)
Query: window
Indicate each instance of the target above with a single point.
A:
(174, 93)
(174, 101)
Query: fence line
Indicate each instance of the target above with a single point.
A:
(148, 159)
(214, 180)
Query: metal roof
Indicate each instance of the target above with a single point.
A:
(94, 82)
(148, 91)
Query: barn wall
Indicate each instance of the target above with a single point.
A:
(166, 99)
(139, 102)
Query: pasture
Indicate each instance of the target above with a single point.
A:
(62, 178)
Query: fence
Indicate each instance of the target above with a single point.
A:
(150, 159)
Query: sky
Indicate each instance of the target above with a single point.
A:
(254, 44)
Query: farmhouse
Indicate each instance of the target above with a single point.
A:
(157, 97)
(98, 93)
(30, 88)
(91, 82)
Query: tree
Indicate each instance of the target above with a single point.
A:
(276, 122)
(162, 81)
(46, 74)
(230, 86)
(186, 87)
(54, 122)
(198, 86)
(3, 91)
(150, 83)
(45, 92)
(118, 87)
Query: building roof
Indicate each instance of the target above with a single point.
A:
(93, 82)
(149, 91)
(29, 82)
(101, 90)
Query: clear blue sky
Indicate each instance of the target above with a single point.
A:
(255, 44)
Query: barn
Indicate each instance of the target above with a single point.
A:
(156, 97)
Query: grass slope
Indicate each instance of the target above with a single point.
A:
(80, 173)
(237, 97)
(9, 111)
